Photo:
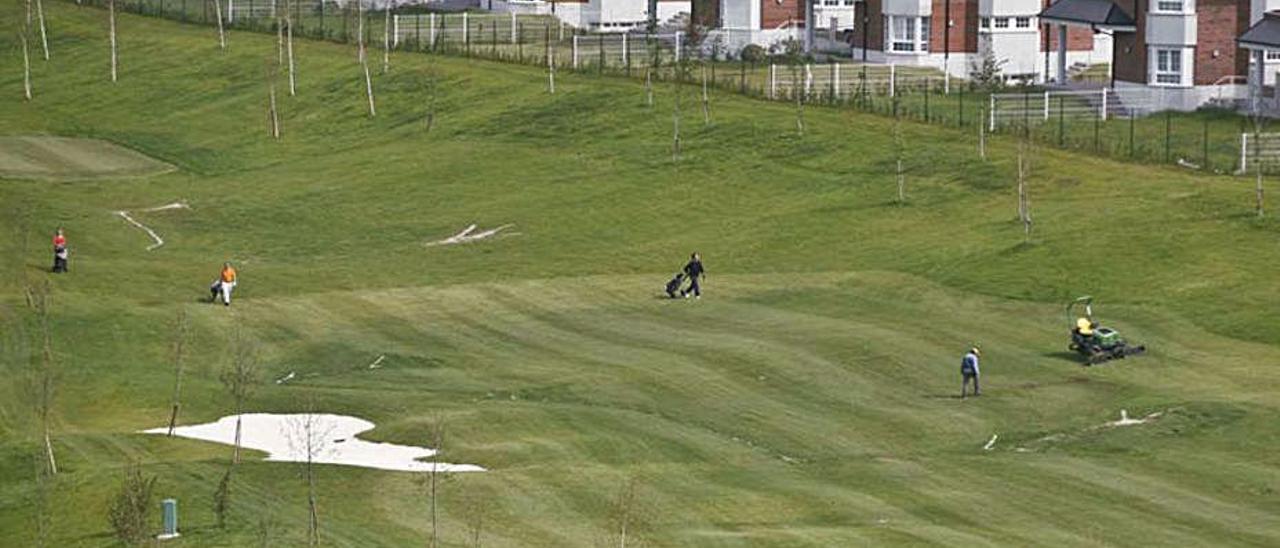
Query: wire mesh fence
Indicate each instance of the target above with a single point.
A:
(1122, 124)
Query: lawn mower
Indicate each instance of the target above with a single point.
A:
(1096, 343)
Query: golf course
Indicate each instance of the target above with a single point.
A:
(809, 398)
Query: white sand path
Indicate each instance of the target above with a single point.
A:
(281, 436)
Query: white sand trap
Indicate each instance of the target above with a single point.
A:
(1126, 421)
(280, 436)
(991, 443)
(154, 237)
(466, 235)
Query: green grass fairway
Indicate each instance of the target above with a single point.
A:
(68, 159)
(809, 399)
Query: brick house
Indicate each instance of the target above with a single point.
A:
(736, 23)
(955, 36)
(1181, 54)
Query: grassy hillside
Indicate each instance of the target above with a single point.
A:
(807, 400)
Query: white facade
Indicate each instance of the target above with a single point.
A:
(837, 12)
(598, 15)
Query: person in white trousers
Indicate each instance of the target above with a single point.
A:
(225, 283)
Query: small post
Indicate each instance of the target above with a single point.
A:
(1244, 152)
(1046, 106)
(626, 57)
(575, 51)
(893, 80)
(1104, 104)
(169, 508)
(808, 81)
(679, 34)
(773, 81)
(991, 111)
(431, 32)
(835, 77)
(395, 32)
(513, 27)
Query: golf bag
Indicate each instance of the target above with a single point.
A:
(673, 286)
(215, 290)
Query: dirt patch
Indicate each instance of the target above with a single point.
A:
(71, 159)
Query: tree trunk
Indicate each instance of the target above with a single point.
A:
(44, 36)
(435, 536)
(222, 34)
(275, 117)
(368, 82)
(235, 448)
(982, 137)
(386, 39)
(360, 53)
(26, 66)
(48, 450)
(313, 511)
(648, 87)
(706, 100)
(111, 14)
(293, 90)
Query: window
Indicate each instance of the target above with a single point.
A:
(1272, 55)
(850, 3)
(831, 2)
(1168, 66)
(985, 23)
(1023, 22)
(1169, 6)
(907, 34)
(1002, 22)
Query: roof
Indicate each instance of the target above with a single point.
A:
(1265, 34)
(1093, 13)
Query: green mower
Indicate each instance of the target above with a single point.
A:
(1096, 343)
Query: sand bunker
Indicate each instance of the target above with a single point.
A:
(154, 237)
(466, 235)
(279, 437)
(68, 159)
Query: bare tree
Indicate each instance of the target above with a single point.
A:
(625, 513)
(288, 22)
(1257, 163)
(45, 378)
(1024, 202)
(477, 513)
(222, 496)
(222, 33)
(386, 38)
(432, 86)
(275, 9)
(44, 35)
(706, 99)
(273, 115)
(181, 329)
(26, 65)
(437, 433)
(360, 52)
(129, 510)
(899, 155)
(111, 15)
(308, 435)
(266, 524)
(368, 82)
(240, 378)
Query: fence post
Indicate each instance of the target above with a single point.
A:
(395, 30)
(1244, 151)
(893, 79)
(431, 34)
(835, 79)
(466, 30)
(575, 51)
(991, 111)
(231, 12)
(1104, 103)
(773, 81)
(513, 27)
(679, 34)
(1046, 106)
(561, 37)
(626, 57)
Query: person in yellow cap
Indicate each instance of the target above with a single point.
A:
(969, 370)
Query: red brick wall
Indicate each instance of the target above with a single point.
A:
(964, 33)
(773, 13)
(874, 27)
(1219, 22)
(1130, 47)
(1078, 39)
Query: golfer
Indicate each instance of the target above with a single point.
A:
(969, 370)
(59, 251)
(694, 272)
(225, 283)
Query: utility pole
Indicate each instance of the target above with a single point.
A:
(653, 16)
(808, 26)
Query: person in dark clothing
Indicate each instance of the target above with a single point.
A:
(694, 272)
(969, 371)
(59, 251)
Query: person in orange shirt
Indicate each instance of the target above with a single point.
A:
(223, 285)
(59, 251)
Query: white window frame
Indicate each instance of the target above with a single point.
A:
(1022, 22)
(1168, 66)
(1169, 6)
(914, 35)
(1000, 23)
(1272, 55)
(984, 23)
